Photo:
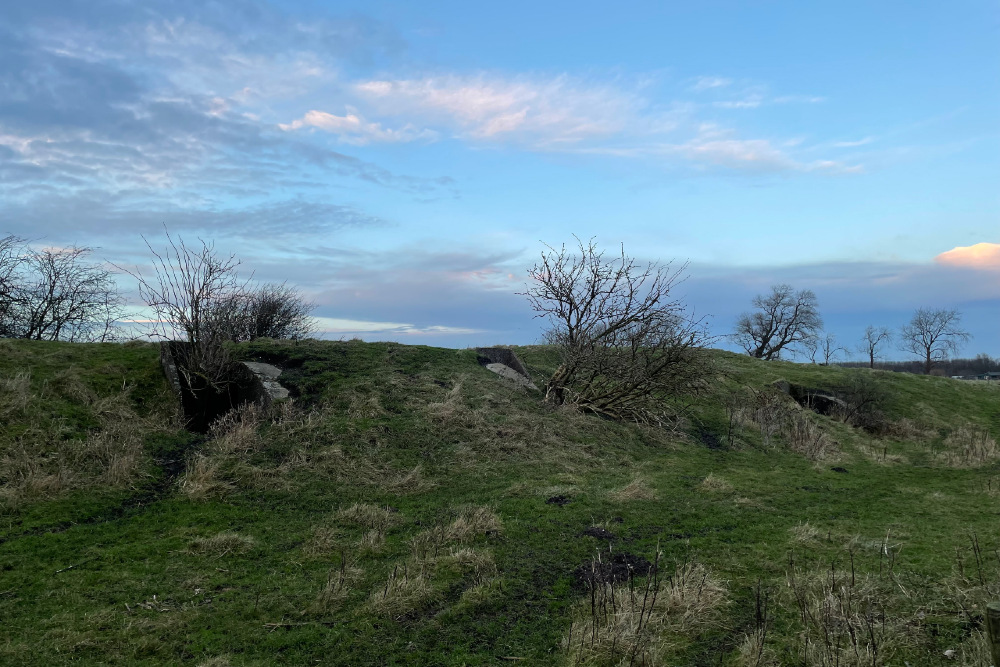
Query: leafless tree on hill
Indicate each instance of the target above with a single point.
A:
(933, 334)
(872, 340)
(626, 342)
(188, 285)
(56, 294)
(784, 318)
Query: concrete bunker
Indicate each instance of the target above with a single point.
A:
(244, 382)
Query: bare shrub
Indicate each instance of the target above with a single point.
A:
(56, 294)
(271, 310)
(626, 343)
(187, 287)
(806, 438)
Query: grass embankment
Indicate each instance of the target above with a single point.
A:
(410, 507)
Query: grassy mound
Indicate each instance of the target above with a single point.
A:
(408, 506)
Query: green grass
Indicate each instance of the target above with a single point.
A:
(397, 513)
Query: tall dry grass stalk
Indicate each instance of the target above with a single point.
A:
(640, 620)
(969, 447)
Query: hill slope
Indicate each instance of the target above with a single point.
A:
(410, 507)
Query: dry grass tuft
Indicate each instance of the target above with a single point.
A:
(804, 533)
(754, 651)
(471, 523)
(637, 489)
(411, 481)
(372, 542)
(969, 447)
(369, 516)
(340, 583)
(639, 622)
(715, 484)
(48, 457)
(203, 480)
(15, 394)
(405, 590)
(220, 545)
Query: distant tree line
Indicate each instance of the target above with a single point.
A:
(981, 363)
(787, 322)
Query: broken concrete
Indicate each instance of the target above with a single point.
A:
(267, 375)
(505, 371)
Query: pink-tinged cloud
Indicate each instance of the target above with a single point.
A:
(979, 256)
(354, 129)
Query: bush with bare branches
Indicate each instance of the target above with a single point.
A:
(55, 294)
(189, 284)
(263, 311)
(626, 342)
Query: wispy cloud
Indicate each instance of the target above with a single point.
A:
(710, 82)
(352, 128)
(720, 147)
(539, 111)
(852, 144)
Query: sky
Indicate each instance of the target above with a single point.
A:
(404, 163)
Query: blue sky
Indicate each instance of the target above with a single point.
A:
(403, 162)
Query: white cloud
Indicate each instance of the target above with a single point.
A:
(538, 111)
(354, 129)
(709, 82)
(852, 144)
(749, 102)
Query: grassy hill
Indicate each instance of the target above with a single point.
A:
(410, 507)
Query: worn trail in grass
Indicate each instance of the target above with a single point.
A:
(412, 508)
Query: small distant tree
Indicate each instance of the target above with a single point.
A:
(56, 294)
(933, 334)
(829, 349)
(874, 338)
(626, 342)
(782, 319)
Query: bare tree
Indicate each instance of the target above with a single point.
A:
(264, 311)
(625, 342)
(874, 338)
(933, 334)
(189, 285)
(829, 349)
(11, 263)
(783, 318)
(55, 294)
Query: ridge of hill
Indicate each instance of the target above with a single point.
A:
(410, 507)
